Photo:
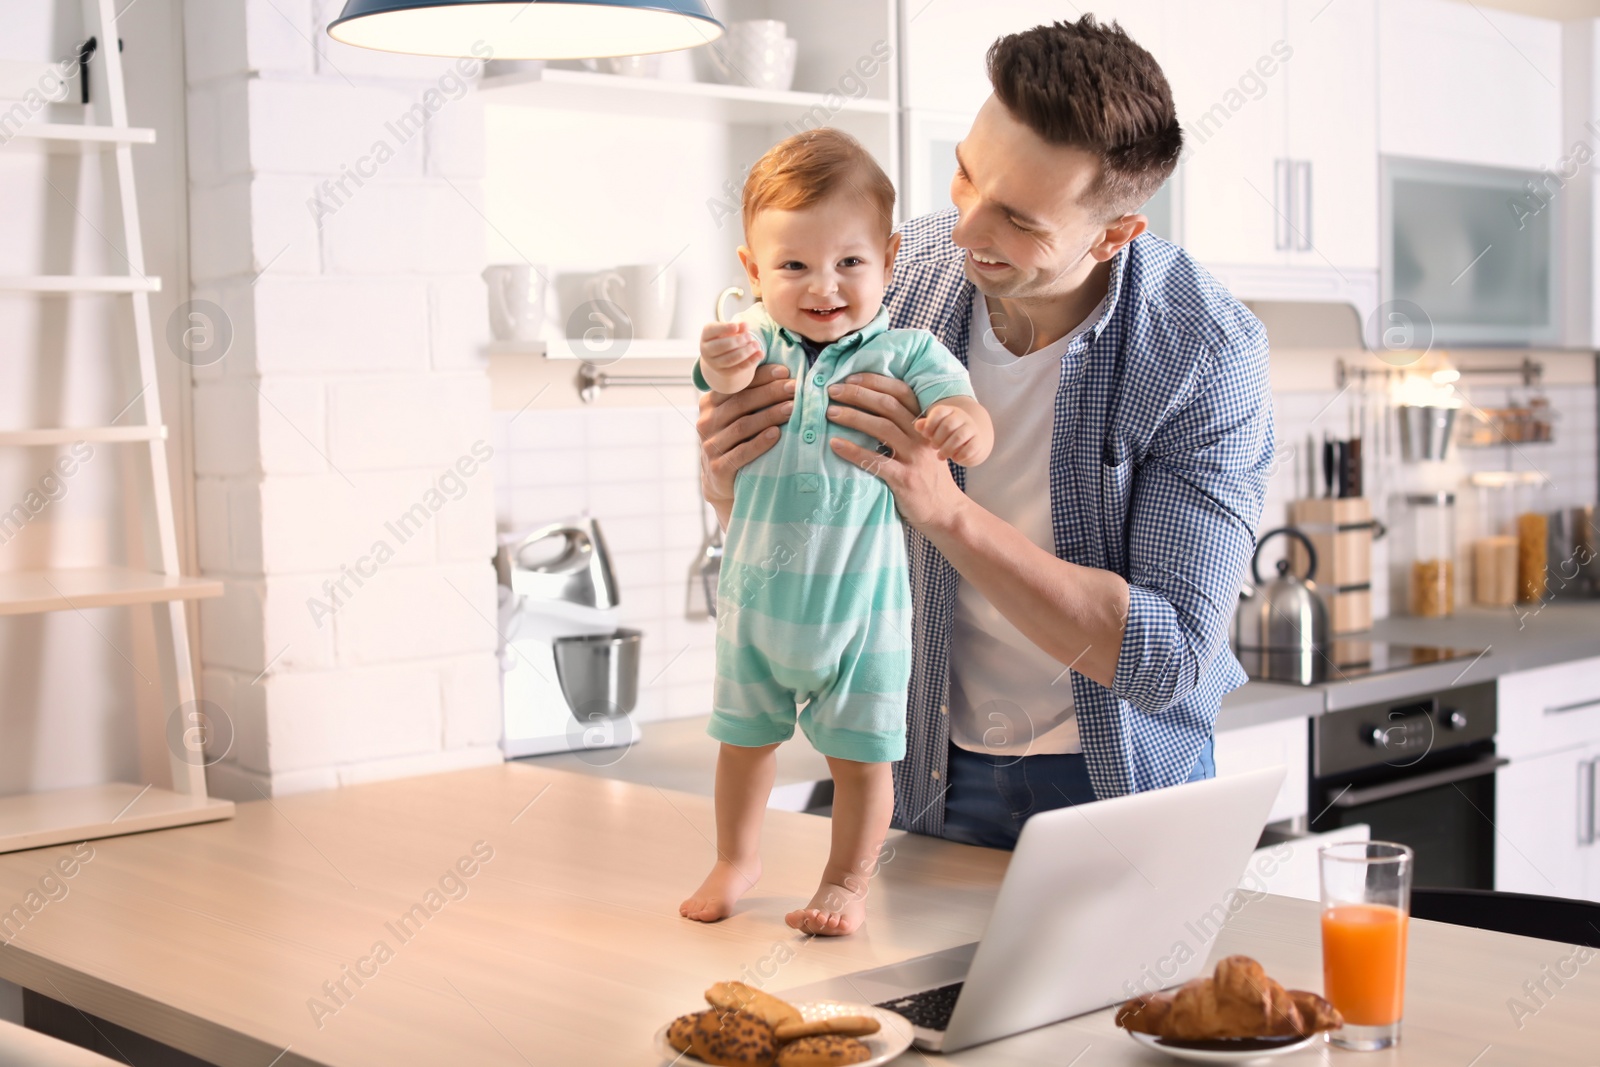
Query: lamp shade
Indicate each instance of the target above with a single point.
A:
(525, 29)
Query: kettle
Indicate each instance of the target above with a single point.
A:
(1280, 630)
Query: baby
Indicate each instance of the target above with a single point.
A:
(814, 603)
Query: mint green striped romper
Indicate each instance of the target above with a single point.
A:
(814, 600)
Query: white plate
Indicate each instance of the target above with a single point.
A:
(1223, 1055)
(893, 1036)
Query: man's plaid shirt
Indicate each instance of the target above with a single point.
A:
(1159, 457)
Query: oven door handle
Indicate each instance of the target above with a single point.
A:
(1351, 798)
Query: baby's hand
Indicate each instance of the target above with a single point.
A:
(729, 353)
(956, 433)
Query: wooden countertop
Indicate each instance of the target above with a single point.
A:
(564, 943)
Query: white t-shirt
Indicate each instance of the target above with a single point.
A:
(1007, 696)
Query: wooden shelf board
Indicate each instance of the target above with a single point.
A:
(59, 816)
(78, 283)
(75, 137)
(66, 435)
(31, 592)
(653, 97)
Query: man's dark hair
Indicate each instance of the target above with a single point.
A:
(1091, 86)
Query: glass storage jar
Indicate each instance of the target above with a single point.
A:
(1533, 538)
(1430, 549)
(1494, 546)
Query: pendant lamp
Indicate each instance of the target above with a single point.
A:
(526, 29)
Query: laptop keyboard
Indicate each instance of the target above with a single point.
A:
(929, 1009)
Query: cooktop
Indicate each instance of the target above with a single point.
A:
(1346, 658)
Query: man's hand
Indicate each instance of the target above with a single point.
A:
(729, 355)
(736, 428)
(886, 408)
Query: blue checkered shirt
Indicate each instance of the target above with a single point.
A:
(1159, 457)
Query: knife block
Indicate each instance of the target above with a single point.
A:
(1341, 530)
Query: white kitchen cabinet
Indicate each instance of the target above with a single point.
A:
(1542, 824)
(1332, 83)
(1255, 747)
(1545, 799)
(1235, 121)
(1277, 101)
(1279, 111)
(1290, 868)
(1469, 84)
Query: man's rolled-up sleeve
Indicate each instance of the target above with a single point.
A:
(1196, 502)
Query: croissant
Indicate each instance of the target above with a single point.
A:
(1238, 1000)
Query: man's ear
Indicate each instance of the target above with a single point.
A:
(747, 260)
(892, 250)
(1117, 235)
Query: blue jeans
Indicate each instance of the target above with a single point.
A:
(991, 796)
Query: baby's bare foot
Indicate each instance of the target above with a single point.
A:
(720, 891)
(834, 910)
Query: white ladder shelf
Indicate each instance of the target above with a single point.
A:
(59, 816)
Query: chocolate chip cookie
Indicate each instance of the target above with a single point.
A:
(734, 1039)
(823, 1050)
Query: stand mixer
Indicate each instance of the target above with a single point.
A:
(570, 674)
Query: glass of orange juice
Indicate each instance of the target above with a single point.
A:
(1366, 900)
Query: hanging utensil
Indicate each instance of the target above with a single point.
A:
(700, 597)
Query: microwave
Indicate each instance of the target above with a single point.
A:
(1474, 248)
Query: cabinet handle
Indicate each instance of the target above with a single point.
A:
(1586, 801)
(1302, 197)
(1282, 205)
(1582, 705)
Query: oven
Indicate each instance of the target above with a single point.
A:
(1420, 771)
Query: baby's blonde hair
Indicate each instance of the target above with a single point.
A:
(807, 168)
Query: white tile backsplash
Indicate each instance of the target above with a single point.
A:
(635, 470)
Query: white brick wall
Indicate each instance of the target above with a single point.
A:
(341, 445)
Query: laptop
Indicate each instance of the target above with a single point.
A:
(1101, 902)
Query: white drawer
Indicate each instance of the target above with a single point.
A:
(1290, 868)
(1267, 745)
(1548, 709)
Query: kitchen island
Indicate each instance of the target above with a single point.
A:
(518, 915)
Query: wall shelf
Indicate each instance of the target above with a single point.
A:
(655, 98)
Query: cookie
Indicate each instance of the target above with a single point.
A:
(845, 1025)
(736, 996)
(680, 1034)
(733, 1039)
(823, 1050)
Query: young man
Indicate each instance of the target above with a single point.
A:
(1072, 596)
